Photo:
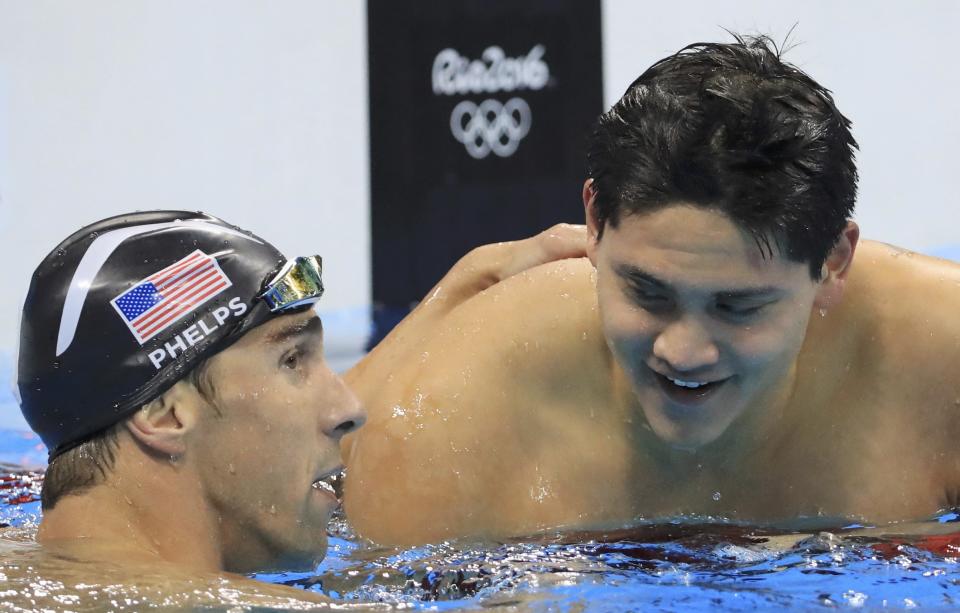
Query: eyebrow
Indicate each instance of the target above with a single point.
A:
(636, 275)
(304, 327)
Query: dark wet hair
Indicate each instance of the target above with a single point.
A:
(733, 128)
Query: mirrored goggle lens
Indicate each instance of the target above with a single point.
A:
(298, 283)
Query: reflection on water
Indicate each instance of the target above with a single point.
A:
(666, 566)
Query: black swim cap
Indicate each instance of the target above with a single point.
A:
(126, 307)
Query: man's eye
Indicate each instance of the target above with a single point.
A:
(739, 310)
(291, 359)
(645, 297)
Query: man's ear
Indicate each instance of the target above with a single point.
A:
(163, 424)
(836, 268)
(593, 226)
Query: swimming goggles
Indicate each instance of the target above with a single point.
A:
(298, 283)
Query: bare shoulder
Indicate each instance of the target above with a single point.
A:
(905, 402)
(539, 314)
(914, 299)
(528, 337)
(452, 426)
(908, 307)
(522, 323)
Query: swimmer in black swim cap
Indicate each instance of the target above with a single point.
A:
(173, 366)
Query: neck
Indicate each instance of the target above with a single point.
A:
(146, 510)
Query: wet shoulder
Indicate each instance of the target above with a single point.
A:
(532, 339)
(533, 321)
(912, 300)
(907, 309)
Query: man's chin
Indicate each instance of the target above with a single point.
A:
(299, 561)
(690, 436)
(303, 556)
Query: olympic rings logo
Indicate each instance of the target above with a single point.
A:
(491, 126)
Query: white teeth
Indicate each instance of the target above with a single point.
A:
(323, 485)
(330, 483)
(688, 384)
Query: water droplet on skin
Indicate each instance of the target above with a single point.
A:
(823, 312)
(231, 468)
(273, 509)
(716, 496)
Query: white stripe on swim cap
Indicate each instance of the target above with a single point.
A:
(94, 259)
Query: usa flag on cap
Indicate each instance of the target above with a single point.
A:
(160, 300)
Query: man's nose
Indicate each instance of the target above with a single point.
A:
(686, 345)
(346, 413)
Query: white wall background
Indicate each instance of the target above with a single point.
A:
(256, 111)
(253, 111)
(890, 64)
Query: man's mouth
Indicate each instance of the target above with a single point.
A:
(331, 483)
(689, 391)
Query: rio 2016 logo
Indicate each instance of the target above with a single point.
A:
(491, 125)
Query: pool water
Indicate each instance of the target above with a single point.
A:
(685, 563)
(674, 565)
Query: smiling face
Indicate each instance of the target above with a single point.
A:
(704, 327)
(272, 431)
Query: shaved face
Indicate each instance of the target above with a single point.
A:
(705, 327)
(283, 412)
